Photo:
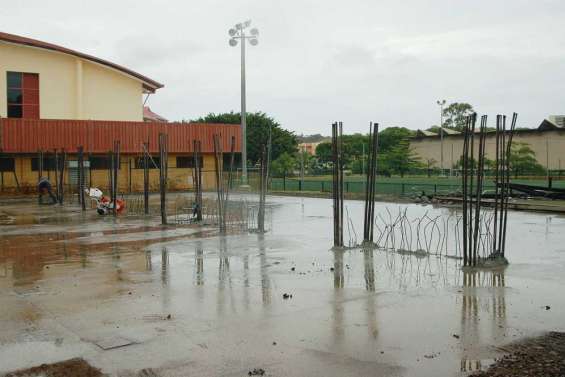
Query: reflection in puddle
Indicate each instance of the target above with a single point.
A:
(347, 304)
(483, 292)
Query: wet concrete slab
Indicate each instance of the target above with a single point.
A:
(191, 302)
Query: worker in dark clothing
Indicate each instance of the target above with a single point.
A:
(44, 187)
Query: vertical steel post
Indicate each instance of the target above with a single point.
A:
(146, 178)
(81, 179)
(163, 176)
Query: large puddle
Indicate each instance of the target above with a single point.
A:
(76, 285)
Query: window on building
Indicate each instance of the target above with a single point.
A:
(154, 162)
(48, 163)
(227, 161)
(188, 162)
(7, 164)
(99, 163)
(23, 95)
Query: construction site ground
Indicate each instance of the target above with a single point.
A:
(128, 297)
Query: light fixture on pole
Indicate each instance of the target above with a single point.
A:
(441, 103)
(238, 33)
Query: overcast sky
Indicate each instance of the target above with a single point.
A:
(320, 61)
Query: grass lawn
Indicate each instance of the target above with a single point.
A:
(430, 181)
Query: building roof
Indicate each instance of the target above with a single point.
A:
(18, 135)
(425, 133)
(449, 131)
(148, 84)
(546, 125)
(150, 116)
(549, 124)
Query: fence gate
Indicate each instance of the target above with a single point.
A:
(73, 173)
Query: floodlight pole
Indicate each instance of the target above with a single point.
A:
(238, 33)
(243, 115)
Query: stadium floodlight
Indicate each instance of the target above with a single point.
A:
(238, 33)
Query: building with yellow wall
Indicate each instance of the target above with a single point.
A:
(547, 141)
(72, 85)
(54, 99)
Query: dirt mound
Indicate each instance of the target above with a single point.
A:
(68, 368)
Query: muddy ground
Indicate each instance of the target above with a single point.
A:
(67, 368)
(542, 356)
(134, 298)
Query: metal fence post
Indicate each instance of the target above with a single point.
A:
(402, 188)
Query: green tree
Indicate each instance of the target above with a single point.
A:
(283, 165)
(324, 152)
(455, 115)
(258, 125)
(400, 159)
(523, 160)
(392, 142)
(391, 137)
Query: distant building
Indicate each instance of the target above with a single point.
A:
(56, 99)
(150, 116)
(310, 148)
(547, 141)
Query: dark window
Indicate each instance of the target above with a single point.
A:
(99, 163)
(14, 79)
(152, 164)
(48, 163)
(227, 161)
(188, 162)
(7, 164)
(23, 95)
(15, 96)
(15, 111)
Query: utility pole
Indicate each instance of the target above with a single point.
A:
(238, 32)
(441, 103)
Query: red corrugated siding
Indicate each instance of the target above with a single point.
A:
(31, 135)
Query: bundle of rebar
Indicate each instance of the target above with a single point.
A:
(502, 182)
(473, 172)
(197, 177)
(370, 184)
(230, 171)
(40, 158)
(263, 174)
(337, 175)
(81, 178)
(146, 178)
(467, 175)
(114, 168)
(222, 190)
(163, 169)
(60, 161)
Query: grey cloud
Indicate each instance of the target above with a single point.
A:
(318, 61)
